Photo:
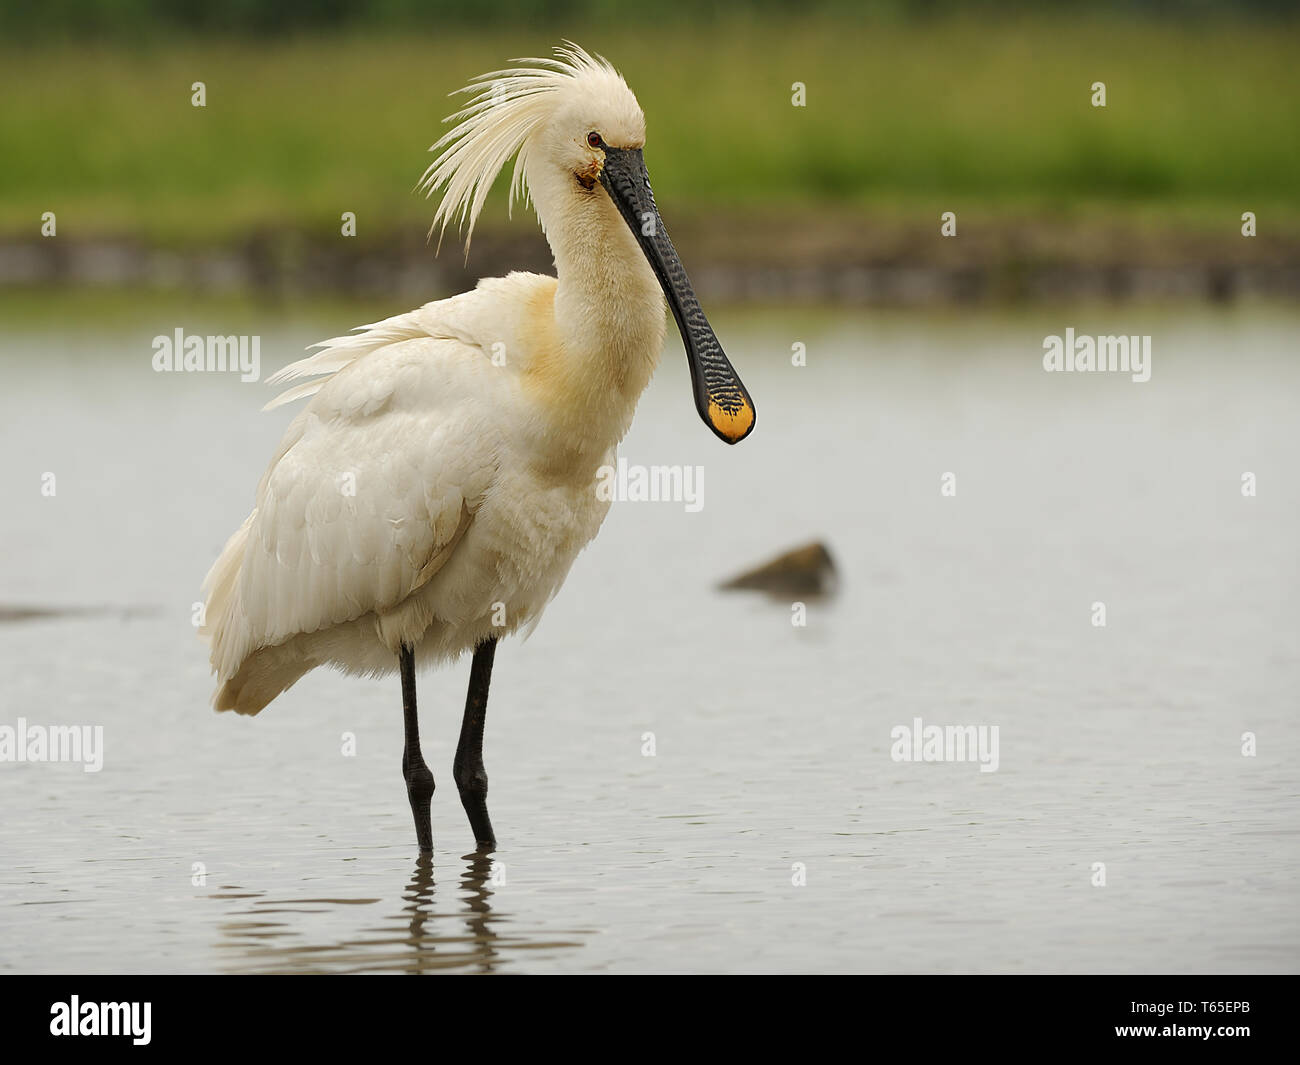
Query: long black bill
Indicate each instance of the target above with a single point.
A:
(720, 397)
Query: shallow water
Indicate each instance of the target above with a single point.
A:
(211, 842)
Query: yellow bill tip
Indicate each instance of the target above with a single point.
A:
(732, 425)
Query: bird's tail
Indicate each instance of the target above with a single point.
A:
(248, 677)
(221, 611)
(224, 625)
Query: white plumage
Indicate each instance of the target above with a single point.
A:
(441, 479)
(403, 504)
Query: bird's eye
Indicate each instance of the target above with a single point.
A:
(593, 138)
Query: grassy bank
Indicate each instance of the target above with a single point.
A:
(1202, 122)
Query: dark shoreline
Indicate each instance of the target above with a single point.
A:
(787, 262)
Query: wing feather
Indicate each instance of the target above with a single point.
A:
(367, 503)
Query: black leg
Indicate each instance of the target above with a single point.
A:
(471, 778)
(419, 781)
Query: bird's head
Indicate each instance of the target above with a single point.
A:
(593, 115)
(572, 122)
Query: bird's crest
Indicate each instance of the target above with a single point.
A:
(508, 107)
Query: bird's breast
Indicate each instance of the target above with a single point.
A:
(519, 547)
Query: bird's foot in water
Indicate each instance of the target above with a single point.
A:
(419, 790)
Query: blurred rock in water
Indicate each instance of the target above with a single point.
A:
(806, 572)
(11, 614)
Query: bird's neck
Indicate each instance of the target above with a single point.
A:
(609, 323)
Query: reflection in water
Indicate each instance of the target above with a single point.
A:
(301, 935)
(474, 890)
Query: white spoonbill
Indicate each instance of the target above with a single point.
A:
(432, 495)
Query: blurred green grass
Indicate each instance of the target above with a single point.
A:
(1203, 120)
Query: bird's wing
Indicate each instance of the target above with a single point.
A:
(373, 486)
